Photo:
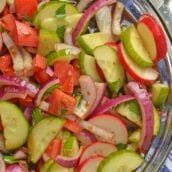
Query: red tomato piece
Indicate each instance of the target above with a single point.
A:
(68, 85)
(73, 126)
(39, 63)
(26, 102)
(42, 77)
(60, 101)
(54, 148)
(5, 62)
(25, 7)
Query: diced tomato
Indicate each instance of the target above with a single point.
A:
(68, 85)
(6, 11)
(62, 70)
(76, 72)
(25, 7)
(39, 164)
(60, 101)
(112, 45)
(73, 126)
(39, 63)
(27, 36)
(9, 71)
(26, 102)
(54, 148)
(42, 77)
(5, 62)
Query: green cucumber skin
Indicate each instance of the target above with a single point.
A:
(47, 40)
(48, 10)
(126, 38)
(157, 122)
(90, 69)
(123, 160)
(63, 55)
(159, 94)
(108, 61)
(58, 168)
(11, 122)
(46, 166)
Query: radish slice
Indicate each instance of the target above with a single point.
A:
(146, 106)
(112, 103)
(88, 90)
(69, 162)
(113, 125)
(16, 55)
(2, 164)
(68, 36)
(74, 50)
(43, 90)
(116, 19)
(2, 5)
(83, 4)
(97, 148)
(85, 137)
(88, 14)
(91, 164)
(100, 89)
(104, 19)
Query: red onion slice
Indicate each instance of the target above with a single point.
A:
(7, 93)
(43, 90)
(28, 113)
(14, 168)
(49, 71)
(86, 137)
(88, 14)
(112, 103)
(68, 36)
(69, 162)
(146, 106)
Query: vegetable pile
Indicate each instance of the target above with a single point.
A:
(79, 90)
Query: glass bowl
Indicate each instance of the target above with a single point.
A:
(162, 144)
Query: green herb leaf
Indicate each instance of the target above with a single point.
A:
(9, 159)
(37, 115)
(60, 31)
(51, 89)
(63, 112)
(61, 12)
(121, 146)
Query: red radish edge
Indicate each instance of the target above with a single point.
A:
(158, 35)
(88, 14)
(146, 106)
(112, 103)
(131, 71)
(86, 161)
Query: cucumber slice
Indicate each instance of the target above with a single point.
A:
(87, 65)
(132, 146)
(48, 10)
(131, 111)
(64, 55)
(58, 168)
(16, 127)
(72, 20)
(47, 166)
(157, 122)
(135, 136)
(70, 147)
(51, 23)
(41, 135)
(113, 71)
(159, 93)
(134, 45)
(90, 41)
(123, 160)
(47, 40)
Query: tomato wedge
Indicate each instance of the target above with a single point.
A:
(54, 148)
(61, 103)
(42, 77)
(73, 126)
(5, 62)
(25, 7)
(39, 63)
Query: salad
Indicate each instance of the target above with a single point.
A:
(80, 90)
